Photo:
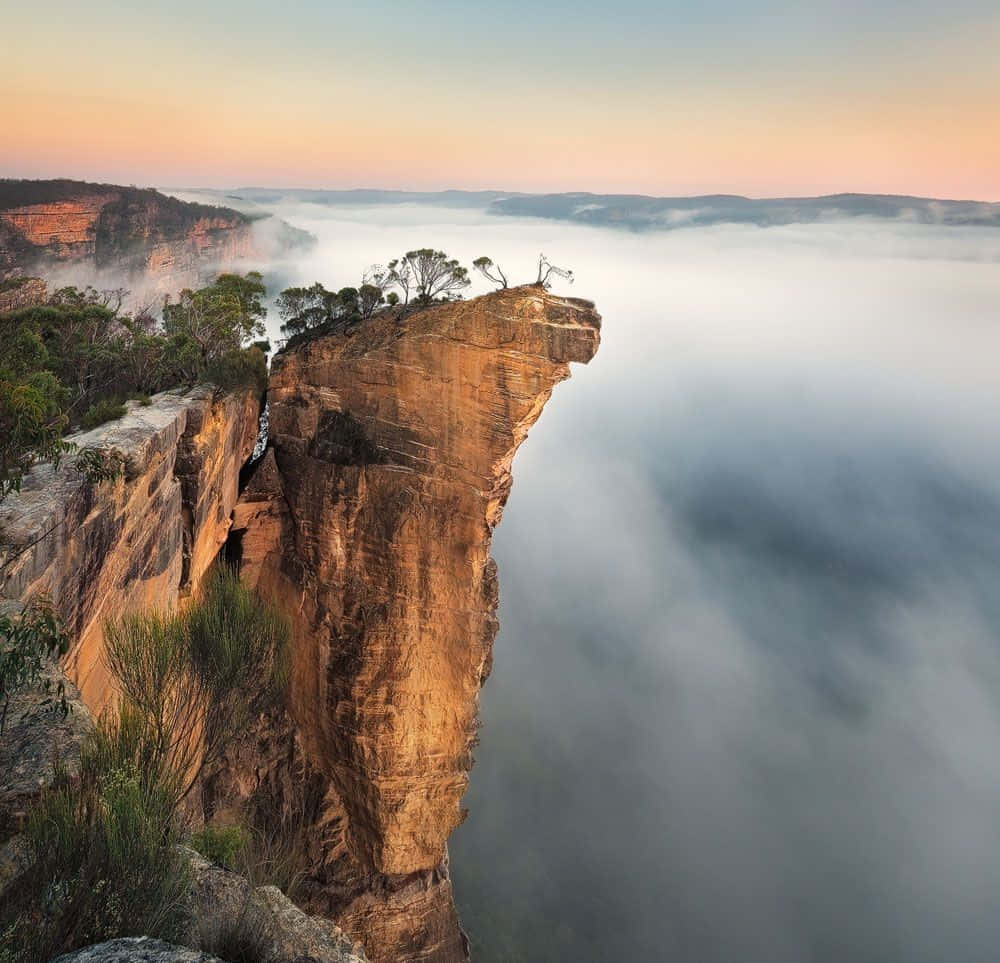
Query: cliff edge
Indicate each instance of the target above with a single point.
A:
(371, 525)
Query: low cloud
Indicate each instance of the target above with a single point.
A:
(746, 696)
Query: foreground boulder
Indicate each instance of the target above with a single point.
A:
(136, 949)
(227, 907)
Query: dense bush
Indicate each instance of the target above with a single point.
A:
(106, 862)
(225, 845)
(74, 361)
(103, 411)
(27, 641)
(105, 843)
(199, 677)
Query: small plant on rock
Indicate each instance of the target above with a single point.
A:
(27, 641)
(99, 465)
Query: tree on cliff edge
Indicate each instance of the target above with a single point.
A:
(435, 275)
(220, 318)
(491, 271)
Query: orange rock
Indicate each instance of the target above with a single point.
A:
(393, 446)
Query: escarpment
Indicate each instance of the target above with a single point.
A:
(139, 542)
(368, 520)
(139, 236)
(371, 524)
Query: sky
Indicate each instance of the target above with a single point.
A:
(641, 96)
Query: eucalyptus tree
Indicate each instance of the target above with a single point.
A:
(491, 271)
(435, 275)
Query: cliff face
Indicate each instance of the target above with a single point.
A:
(369, 521)
(372, 524)
(22, 292)
(135, 233)
(142, 541)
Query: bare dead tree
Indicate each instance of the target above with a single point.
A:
(546, 270)
(379, 277)
(491, 271)
(401, 274)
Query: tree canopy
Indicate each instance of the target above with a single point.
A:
(75, 359)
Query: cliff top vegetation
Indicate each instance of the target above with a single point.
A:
(21, 193)
(419, 278)
(73, 361)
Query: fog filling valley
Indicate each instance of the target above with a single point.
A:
(746, 695)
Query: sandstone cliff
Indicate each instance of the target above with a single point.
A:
(132, 234)
(141, 541)
(369, 520)
(371, 524)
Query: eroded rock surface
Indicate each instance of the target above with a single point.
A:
(392, 454)
(225, 903)
(37, 740)
(136, 543)
(136, 949)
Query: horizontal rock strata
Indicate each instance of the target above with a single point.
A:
(392, 454)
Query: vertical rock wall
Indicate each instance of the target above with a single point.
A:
(135, 543)
(392, 453)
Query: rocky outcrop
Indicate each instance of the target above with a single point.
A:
(21, 292)
(139, 236)
(138, 542)
(225, 903)
(392, 460)
(136, 949)
(369, 521)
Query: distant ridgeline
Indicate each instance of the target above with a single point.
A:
(639, 212)
(125, 233)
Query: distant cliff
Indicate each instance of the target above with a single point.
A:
(127, 233)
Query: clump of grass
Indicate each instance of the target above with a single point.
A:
(239, 939)
(109, 409)
(106, 857)
(225, 845)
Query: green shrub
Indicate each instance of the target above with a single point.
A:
(225, 845)
(200, 677)
(108, 409)
(244, 368)
(107, 862)
(236, 637)
(27, 641)
(102, 464)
